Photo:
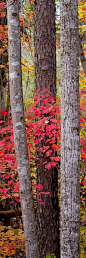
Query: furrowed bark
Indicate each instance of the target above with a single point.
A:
(45, 45)
(70, 195)
(19, 130)
(45, 77)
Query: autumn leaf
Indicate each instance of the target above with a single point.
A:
(55, 158)
(3, 113)
(48, 153)
(55, 147)
(39, 187)
(2, 66)
(17, 199)
(84, 182)
(48, 165)
(40, 200)
(10, 182)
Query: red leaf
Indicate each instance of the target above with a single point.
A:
(48, 165)
(84, 182)
(17, 199)
(53, 120)
(48, 193)
(7, 176)
(10, 182)
(43, 203)
(55, 147)
(45, 148)
(1, 143)
(3, 113)
(48, 153)
(40, 200)
(82, 142)
(11, 202)
(14, 167)
(16, 190)
(5, 194)
(37, 113)
(5, 190)
(3, 175)
(12, 175)
(55, 158)
(16, 184)
(39, 187)
(53, 164)
(36, 141)
(34, 186)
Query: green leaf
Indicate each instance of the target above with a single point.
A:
(16, 231)
(50, 256)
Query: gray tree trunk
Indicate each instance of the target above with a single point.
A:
(70, 195)
(19, 129)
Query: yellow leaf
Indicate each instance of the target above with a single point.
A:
(2, 66)
(83, 28)
(24, 61)
(30, 67)
(24, 68)
(30, 49)
(1, 50)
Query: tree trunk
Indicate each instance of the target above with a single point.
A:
(70, 195)
(45, 45)
(3, 61)
(45, 77)
(19, 129)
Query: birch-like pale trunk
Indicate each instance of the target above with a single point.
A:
(19, 129)
(70, 196)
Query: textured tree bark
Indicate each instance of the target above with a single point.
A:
(3, 60)
(45, 45)
(45, 77)
(70, 196)
(19, 129)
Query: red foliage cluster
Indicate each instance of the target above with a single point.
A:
(43, 134)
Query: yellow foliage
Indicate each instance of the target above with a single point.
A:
(31, 68)
(83, 28)
(30, 49)
(30, 16)
(2, 66)
(1, 51)
(24, 61)
(26, 67)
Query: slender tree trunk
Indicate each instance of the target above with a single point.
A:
(45, 77)
(70, 196)
(3, 60)
(19, 129)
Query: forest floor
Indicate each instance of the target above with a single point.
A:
(12, 237)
